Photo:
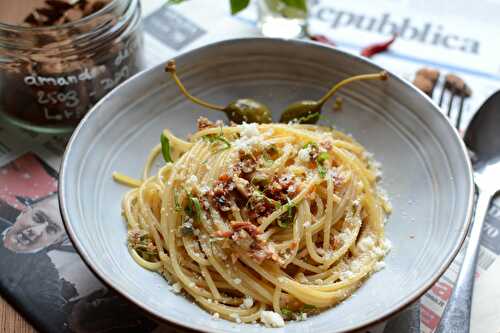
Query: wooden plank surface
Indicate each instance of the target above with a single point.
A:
(11, 321)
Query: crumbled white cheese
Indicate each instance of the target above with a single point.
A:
(246, 144)
(292, 189)
(204, 189)
(329, 254)
(366, 243)
(378, 251)
(367, 155)
(271, 319)
(216, 315)
(302, 316)
(176, 287)
(249, 130)
(247, 302)
(236, 317)
(237, 281)
(379, 265)
(281, 279)
(386, 245)
(287, 149)
(345, 236)
(307, 224)
(332, 173)
(304, 154)
(346, 275)
(191, 285)
(355, 265)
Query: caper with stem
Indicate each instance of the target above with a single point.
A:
(239, 111)
(308, 112)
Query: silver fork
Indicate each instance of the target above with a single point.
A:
(453, 111)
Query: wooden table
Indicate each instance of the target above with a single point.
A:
(11, 321)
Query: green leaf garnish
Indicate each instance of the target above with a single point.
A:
(321, 171)
(287, 220)
(308, 307)
(213, 138)
(175, 2)
(323, 157)
(176, 202)
(287, 313)
(238, 5)
(311, 144)
(197, 207)
(165, 149)
(193, 208)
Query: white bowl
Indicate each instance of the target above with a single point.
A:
(426, 170)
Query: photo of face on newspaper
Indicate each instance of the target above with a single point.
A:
(39, 263)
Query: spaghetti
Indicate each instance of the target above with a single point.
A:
(266, 223)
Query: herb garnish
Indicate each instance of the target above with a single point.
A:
(193, 208)
(311, 144)
(165, 149)
(308, 307)
(287, 313)
(323, 157)
(287, 220)
(212, 138)
(176, 202)
(321, 171)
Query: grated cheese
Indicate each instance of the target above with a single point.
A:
(247, 303)
(271, 319)
(249, 130)
(304, 154)
(176, 287)
(366, 243)
(379, 265)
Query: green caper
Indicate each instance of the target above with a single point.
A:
(305, 112)
(308, 112)
(248, 110)
(239, 111)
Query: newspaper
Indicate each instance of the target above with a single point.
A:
(427, 37)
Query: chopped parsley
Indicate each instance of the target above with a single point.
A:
(308, 307)
(287, 313)
(212, 138)
(193, 208)
(165, 149)
(321, 171)
(322, 157)
(287, 219)
(178, 207)
(311, 144)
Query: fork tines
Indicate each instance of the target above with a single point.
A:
(457, 88)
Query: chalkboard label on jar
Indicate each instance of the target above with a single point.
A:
(55, 74)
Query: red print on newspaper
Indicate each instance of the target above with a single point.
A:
(24, 178)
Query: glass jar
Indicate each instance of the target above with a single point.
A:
(51, 76)
(279, 19)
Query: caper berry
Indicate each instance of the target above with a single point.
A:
(308, 112)
(239, 111)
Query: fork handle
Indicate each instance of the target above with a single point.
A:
(456, 316)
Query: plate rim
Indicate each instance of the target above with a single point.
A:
(364, 324)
